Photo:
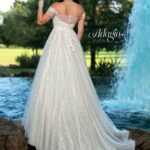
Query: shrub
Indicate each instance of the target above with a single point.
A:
(26, 61)
(106, 68)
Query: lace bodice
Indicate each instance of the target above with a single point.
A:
(61, 19)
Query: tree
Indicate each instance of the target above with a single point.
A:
(38, 34)
(14, 26)
(100, 14)
(106, 14)
(20, 27)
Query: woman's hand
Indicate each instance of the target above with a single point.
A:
(41, 17)
(41, 4)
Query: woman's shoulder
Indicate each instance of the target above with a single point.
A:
(60, 5)
(81, 7)
(56, 4)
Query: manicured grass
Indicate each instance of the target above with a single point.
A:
(8, 55)
(105, 56)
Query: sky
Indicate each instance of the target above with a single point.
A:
(6, 4)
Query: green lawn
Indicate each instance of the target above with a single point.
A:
(8, 55)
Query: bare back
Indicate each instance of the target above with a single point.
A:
(65, 10)
(69, 8)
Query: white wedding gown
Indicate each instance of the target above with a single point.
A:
(63, 111)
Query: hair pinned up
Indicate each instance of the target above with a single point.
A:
(73, 0)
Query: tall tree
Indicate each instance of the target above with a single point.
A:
(111, 15)
(105, 15)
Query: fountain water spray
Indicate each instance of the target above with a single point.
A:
(134, 80)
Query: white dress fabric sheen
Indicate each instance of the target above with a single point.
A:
(63, 111)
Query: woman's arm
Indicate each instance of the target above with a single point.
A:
(81, 27)
(41, 17)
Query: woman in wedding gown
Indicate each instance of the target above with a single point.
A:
(63, 111)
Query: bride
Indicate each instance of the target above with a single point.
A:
(63, 111)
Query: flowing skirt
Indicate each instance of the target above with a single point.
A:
(63, 111)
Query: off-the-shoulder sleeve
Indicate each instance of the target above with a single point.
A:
(83, 15)
(52, 11)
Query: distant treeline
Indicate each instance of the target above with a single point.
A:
(105, 27)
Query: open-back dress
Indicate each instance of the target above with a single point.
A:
(63, 111)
